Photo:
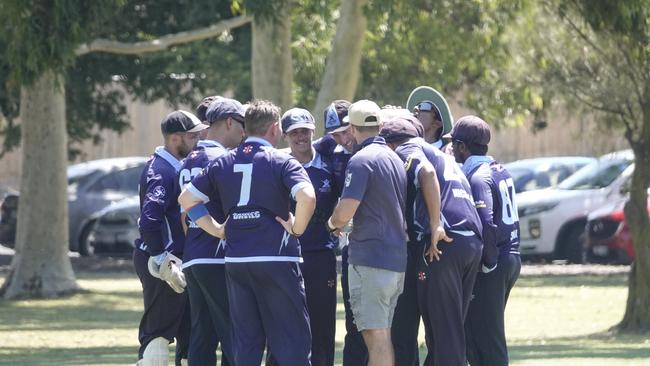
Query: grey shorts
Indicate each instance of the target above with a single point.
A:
(373, 295)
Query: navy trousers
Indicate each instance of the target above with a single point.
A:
(484, 326)
(444, 292)
(268, 307)
(166, 313)
(210, 317)
(406, 321)
(319, 270)
(355, 352)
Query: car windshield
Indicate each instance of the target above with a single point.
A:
(596, 175)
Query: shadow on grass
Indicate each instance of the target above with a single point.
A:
(598, 345)
(67, 356)
(88, 310)
(573, 281)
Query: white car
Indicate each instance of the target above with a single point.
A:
(552, 220)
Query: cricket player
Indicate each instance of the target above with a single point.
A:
(450, 247)
(374, 193)
(203, 255)
(254, 185)
(494, 196)
(157, 253)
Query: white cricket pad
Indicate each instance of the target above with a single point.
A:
(156, 353)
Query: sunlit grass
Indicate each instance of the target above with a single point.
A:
(551, 320)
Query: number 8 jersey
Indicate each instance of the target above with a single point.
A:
(253, 184)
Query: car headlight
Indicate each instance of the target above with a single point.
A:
(534, 209)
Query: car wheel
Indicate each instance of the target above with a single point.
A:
(573, 249)
(86, 244)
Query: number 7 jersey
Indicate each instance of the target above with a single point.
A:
(253, 184)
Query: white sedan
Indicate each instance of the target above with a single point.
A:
(552, 220)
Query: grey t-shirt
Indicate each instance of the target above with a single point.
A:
(376, 177)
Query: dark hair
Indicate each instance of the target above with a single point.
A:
(202, 108)
(259, 116)
(476, 149)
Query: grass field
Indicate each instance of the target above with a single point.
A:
(551, 320)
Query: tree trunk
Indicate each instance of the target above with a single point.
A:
(41, 267)
(637, 311)
(344, 61)
(272, 69)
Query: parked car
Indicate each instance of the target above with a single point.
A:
(115, 227)
(607, 237)
(552, 220)
(546, 172)
(91, 187)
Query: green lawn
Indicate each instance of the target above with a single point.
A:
(551, 320)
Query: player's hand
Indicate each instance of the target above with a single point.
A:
(437, 235)
(286, 224)
(220, 231)
(172, 273)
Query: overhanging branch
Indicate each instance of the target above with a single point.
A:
(164, 42)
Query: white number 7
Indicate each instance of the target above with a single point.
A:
(245, 190)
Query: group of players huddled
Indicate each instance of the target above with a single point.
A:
(239, 239)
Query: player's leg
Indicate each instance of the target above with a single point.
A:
(354, 348)
(373, 297)
(446, 298)
(406, 322)
(280, 292)
(213, 281)
(163, 308)
(249, 338)
(319, 272)
(203, 338)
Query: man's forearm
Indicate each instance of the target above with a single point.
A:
(431, 192)
(305, 206)
(344, 212)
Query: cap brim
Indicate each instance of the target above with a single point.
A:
(301, 125)
(339, 129)
(199, 127)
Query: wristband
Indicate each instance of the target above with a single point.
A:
(197, 212)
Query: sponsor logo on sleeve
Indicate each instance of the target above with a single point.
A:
(348, 179)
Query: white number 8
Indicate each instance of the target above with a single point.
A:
(509, 214)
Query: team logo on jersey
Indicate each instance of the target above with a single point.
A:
(331, 283)
(348, 179)
(326, 187)
(159, 192)
(422, 276)
(247, 149)
(480, 204)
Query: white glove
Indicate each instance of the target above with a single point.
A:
(169, 270)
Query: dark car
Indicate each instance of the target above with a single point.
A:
(546, 172)
(607, 237)
(92, 186)
(115, 227)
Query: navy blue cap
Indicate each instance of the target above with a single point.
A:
(181, 121)
(471, 130)
(222, 108)
(398, 128)
(297, 118)
(334, 115)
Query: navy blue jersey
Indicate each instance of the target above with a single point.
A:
(254, 184)
(160, 219)
(376, 177)
(338, 157)
(316, 236)
(458, 213)
(494, 196)
(201, 247)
